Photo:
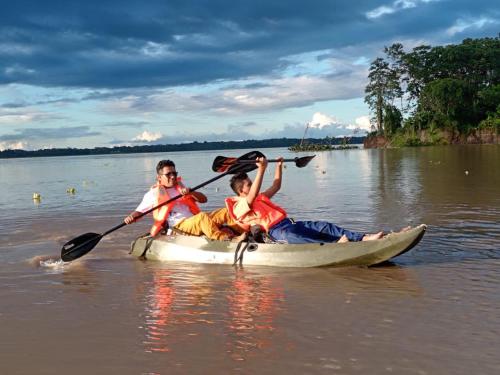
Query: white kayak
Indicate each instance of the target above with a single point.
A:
(182, 248)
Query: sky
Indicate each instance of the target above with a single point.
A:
(104, 73)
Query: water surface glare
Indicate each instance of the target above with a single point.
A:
(433, 310)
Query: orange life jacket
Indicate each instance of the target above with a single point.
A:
(262, 212)
(160, 215)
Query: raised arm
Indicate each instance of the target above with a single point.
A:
(278, 174)
(257, 183)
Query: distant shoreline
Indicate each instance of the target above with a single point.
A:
(193, 146)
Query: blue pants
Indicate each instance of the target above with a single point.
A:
(310, 231)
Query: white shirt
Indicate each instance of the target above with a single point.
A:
(179, 211)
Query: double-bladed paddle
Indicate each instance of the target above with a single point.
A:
(223, 163)
(82, 244)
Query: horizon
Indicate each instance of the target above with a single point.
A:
(94, 74)
(177, 147)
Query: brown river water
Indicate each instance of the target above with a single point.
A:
(434, 310)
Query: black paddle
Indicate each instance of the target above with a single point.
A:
(81, 245)
(223, 164)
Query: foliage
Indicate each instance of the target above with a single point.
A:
(442, 87)
(492, 121)
(404, 139)
(392, 119)
(326, 144)
(382, 88)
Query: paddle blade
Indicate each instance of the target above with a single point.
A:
(79, 246)
(223, 164)
(303, 161)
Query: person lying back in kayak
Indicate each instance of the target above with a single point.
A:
(251, 207)
(182, 214)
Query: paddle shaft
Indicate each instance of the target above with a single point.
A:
(197, 187)
(269, 161)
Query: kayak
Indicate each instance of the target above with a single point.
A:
(183, 248)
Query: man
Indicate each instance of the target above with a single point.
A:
(183, 213)
(251, 207)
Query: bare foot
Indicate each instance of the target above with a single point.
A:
(239, 238)
(371, 237)
(343, 239)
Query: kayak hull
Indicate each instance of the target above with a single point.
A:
(181, 248)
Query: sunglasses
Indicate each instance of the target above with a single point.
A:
(170, 174)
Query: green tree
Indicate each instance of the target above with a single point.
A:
(392, 119)
(456, 85)
(395, 54)
(449, 100)
(489, 99)
(381, 89)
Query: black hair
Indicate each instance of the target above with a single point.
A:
(164, 163)
(236, 182)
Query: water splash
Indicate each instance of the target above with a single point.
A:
(48, 262)
(53, 263)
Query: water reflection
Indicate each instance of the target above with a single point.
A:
(253, 303)
(183, 304)
(397, 192)
(159, 303)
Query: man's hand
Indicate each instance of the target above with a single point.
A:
(279, 162)
(261, 163)
(184, 190)
(129, 219)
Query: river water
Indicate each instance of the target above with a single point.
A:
(435, 309)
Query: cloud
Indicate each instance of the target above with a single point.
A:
(232, 128)
(394, 7)
(13, 146)
(131, 67)
(126, 124)
(147, 136)
(276, 94)
(21, 135)
(320, 120)
(363, 123)
(239, 133)
(462, 25)
(122, 44)
(11, 116)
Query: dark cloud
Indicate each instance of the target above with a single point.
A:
(123, 44)
(239, 126)
(14, 105)
(49, 133)
(126, 124)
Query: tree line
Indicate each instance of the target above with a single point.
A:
(455, 87)
(193, 146)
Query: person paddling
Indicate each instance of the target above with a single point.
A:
(182, 214)
(251, 207)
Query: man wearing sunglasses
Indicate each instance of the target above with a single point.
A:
(183, 213)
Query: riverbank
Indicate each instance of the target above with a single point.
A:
(433, 137)
(255, 144)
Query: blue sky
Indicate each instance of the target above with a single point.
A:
(104, 73)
